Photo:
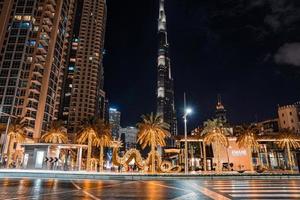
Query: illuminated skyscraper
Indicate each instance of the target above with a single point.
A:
(165, 90)
(115, 122)
(87, 96)
(34, 37)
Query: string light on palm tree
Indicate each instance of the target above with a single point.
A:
(287, 139)
(16, 133)
(102, 140)
(247, 138)
(215, 133)
(87, 134)
(57, 134)
(152, 132)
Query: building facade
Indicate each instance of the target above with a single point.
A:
(289, 117)
(128, 136)
(87, 96)
(165, 90)
(68, 82)
(269, 127)
(34, 37)
(115, 120)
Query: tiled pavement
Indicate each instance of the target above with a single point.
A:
(175, 189)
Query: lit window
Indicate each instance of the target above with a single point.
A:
(17, 17)
(24, 25)
(27, 18)
(31, 42)
(29, 59)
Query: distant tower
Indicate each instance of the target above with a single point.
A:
(221, 111)
(114, 120)
(165, 91)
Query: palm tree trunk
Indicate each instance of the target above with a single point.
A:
(101, 159)
(289, 156)
(10, 149)
(250, 158)
(152, 158)
(89, 153)
(218, 157)
(204, 156)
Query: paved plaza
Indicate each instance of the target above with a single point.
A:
(25, 188)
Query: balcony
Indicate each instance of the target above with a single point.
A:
(41, 58)
(50, 6)
(35, 81)
(47, 28)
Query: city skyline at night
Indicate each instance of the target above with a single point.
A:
(216, 48)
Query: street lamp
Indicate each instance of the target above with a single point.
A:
(187, 111)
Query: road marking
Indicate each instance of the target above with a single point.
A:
(211, 194)
(260, 191)
(265, 195)
(85, 192)
(90, 195)
(75, 185)
(166, 186)
(248, 184)
(256, 187)
(192, 195)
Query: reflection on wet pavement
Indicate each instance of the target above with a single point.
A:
(173, 189)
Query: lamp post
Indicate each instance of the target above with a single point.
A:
(187, 111)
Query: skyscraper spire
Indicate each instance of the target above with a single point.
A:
(162, 17)
(165, 91)
(221, 111)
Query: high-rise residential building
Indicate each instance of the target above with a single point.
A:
(221, 113)
(115, 122)
(289, 117)
(165, 90)
(128, 136)
(68, 82)
(87, 96)
(34, 37)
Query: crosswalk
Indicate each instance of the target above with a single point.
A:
(256, 189)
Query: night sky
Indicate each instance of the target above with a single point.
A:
(246, 50)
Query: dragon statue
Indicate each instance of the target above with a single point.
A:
(163, 166)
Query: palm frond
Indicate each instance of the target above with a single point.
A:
(152, 131)
(288, 138)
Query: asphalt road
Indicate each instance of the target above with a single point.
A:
(176, 190)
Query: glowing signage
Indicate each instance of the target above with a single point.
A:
(239, 153)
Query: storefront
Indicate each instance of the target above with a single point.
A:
(53, 156)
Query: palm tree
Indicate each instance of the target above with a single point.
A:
(152, 132)
(288, 140)
(16, 133)
(57, 134)
(214, 132)
(103, 139)
(247, 138)
(87, 134)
